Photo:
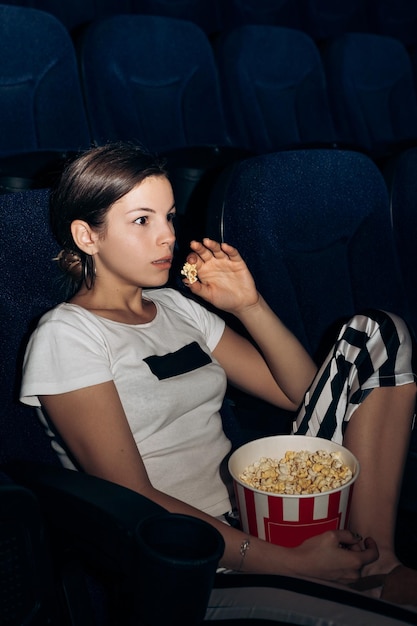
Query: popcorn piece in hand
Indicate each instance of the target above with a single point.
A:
(190, 271)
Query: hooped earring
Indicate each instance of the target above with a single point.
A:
(89, 271)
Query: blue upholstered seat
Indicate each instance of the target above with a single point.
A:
(372, 93)
(42, 116)
(40, 97)
(30, 286)
(314, 226)
(151, 79)
(274, 89)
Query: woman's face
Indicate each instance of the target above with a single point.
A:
(137, 246)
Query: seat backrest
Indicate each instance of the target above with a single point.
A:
(314, 227)
(402, 185)
(41, 104)
(151, 79)
(372, 93)
(273, 87)
(30, 285)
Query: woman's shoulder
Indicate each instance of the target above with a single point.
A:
(68, 317)
(67, 327)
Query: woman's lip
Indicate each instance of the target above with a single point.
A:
(163, 261)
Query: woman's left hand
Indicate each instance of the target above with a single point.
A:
(223, 277)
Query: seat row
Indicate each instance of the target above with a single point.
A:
(321, 19)
(161, 82)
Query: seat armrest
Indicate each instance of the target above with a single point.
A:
(95, 517)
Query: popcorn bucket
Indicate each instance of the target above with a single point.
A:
(288, 520)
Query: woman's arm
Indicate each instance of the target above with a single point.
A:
(281, 371)
(93, 425)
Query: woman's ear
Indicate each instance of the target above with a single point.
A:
(84, 236)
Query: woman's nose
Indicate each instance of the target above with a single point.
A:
(167, 233)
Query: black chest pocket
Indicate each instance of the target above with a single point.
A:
(186, 359)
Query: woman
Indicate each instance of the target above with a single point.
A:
(131, 375)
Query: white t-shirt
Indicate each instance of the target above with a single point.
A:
(170, 386)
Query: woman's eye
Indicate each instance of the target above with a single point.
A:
(171, 217)
(141, 220)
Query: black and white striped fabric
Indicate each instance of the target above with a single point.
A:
(372, 350)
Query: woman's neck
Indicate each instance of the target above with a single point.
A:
(128, 307)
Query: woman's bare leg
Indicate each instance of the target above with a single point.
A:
(378, 434)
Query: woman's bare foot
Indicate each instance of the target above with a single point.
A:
(398, 586)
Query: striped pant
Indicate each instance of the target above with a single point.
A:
(372, 350)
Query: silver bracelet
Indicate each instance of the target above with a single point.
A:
(244, 547)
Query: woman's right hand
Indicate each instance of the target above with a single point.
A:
(337, 556)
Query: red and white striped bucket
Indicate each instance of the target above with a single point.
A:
(288, 520)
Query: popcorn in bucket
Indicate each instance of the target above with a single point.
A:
(289, 488)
